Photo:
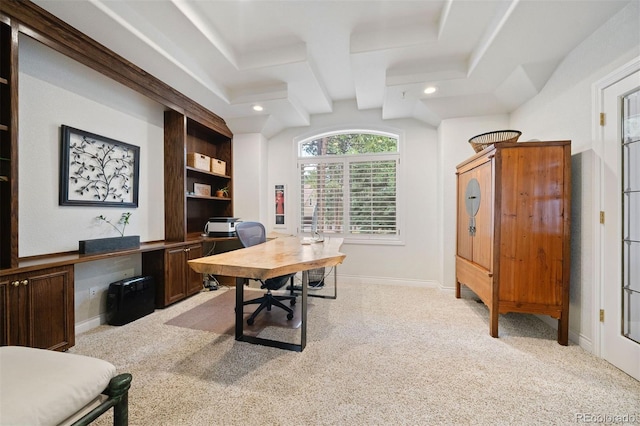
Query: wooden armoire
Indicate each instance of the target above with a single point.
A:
(513, 240)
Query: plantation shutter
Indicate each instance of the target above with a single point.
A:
(372, 197)
(322, 184)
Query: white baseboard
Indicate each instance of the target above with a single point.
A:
(90, 324)
(575, 337)
(583, 342)
(358, 279)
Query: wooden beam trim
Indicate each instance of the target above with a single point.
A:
(42, 26)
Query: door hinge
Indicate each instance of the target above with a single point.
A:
(602, 118)
(601, 315)
(601, 217)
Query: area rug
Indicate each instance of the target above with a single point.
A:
(218, 315)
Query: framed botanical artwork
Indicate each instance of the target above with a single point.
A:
(280, 191)
(202, 189)
(96, 170)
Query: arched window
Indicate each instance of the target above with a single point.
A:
(352, 176)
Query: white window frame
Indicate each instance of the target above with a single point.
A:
(396, 239)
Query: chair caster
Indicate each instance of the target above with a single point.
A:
(250, 321)
(293, 302)
(289, 316)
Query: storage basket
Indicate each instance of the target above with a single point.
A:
(198, 161)
(483, 140)
(218, 166)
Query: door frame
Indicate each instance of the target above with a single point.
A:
(598, 195)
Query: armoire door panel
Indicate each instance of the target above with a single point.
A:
(465, 248)
(483, 240)
(532, 221)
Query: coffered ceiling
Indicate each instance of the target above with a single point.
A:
(296, 58)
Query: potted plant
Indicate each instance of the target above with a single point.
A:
(103, 245)
(124, 221)
(223, 192)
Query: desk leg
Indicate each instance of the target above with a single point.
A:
(241, 337)
(303, 313)
(335, 283)
(239, 308)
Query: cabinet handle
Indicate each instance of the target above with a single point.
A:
(15, 283)
(187, 249)
(472, 226)
(24, 282)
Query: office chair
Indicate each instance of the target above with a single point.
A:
(251, 234)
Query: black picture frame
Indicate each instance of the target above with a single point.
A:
(97, 171)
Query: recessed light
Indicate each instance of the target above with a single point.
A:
(257, 108)
(431, 89)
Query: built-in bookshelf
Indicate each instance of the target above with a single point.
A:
(186, 212)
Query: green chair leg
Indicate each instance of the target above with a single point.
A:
(118, 393)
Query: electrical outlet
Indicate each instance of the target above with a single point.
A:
(93, 292)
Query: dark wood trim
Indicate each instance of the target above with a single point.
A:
(34, 263)
(62, 37)
(175, 210)
(13, 137)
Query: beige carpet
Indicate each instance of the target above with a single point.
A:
(378, 355)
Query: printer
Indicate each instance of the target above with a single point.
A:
(221, 227)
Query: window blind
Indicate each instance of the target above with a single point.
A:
(365, 206)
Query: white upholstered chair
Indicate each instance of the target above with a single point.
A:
(42, 387)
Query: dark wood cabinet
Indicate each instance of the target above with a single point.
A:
(38, 309)
(192, 278)
(185, 212)
(513, 239)
(175, 280)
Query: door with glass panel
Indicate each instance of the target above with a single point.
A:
(620, 339)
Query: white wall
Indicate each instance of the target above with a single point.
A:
(563, 109)
(454, 148)
(250, 177)
(90, 311)
(416, 261)
(55, 90)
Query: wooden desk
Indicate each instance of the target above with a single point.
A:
(274, 258)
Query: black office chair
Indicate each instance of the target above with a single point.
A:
(251, 234)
